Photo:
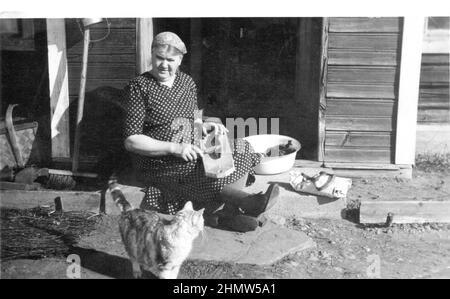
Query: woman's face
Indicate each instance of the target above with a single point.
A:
(165, 64)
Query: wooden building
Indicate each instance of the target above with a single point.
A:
(347, 88)
(433, 119)
(434, 104)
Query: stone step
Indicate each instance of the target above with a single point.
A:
(264, 246)
(293, 204)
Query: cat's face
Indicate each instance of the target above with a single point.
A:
(191, 218)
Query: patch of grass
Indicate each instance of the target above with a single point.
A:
(433, 162)
(36, 233)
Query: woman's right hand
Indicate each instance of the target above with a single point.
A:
(187, 152)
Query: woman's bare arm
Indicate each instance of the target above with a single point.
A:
(147, 146)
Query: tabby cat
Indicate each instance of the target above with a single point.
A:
(156, 244)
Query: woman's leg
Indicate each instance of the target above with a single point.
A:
(242, 211)
(227, 212)
(220, 215)
(251, 204)
(239, 184)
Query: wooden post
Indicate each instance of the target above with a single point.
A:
(302, 62)
(223, 93)
(59, 88)
(306, 87)
(323, 90)
(80, 105)
(58, 205)
(144, 38)
(408, 92)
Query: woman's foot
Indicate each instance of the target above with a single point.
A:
(231, 218)
(255, 205)
(211, 220)
(239, 223)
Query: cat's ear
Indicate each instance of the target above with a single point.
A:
(188, 206)
(201, 211)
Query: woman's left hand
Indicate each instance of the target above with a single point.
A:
(218, 129)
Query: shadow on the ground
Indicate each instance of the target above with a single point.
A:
(106, 264)
(351, 215)
(283, 185)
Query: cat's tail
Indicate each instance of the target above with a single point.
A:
(118, 197)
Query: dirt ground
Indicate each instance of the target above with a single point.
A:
(344, 248)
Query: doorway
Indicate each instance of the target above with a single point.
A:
(261, 68)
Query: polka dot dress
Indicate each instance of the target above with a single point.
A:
(167, 114)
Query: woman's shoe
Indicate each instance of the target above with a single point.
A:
(211, 220)
(255, 205)
(239, 223)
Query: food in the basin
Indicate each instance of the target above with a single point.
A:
(280, 150)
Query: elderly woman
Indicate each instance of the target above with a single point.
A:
(158, 104)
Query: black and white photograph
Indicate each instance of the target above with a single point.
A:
(245, 145)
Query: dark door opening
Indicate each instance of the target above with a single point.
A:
(260, 68)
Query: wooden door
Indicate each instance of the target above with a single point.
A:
(249, 70)
(359, 89)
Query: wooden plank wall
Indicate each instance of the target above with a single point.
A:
(434, 96)
(362, 78)
(112, 63)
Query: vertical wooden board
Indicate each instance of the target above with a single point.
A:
(196, 51)
(356, 24)
(307, 77)
(144, 38)
(355, 57)
(408, 90)
(323, 87)
(363, 75)
(58, 87)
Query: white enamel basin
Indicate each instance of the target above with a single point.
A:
(273, 165)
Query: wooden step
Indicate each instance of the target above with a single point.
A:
(408, 211)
